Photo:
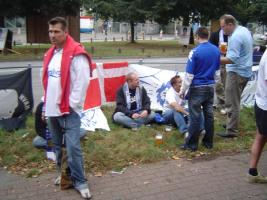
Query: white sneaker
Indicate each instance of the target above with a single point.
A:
(203, 132)
(186, 134)
(57, 180)
(85, 193)
(256, 179)
(223, 111)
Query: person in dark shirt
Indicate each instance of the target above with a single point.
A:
(216, 38)
(132, 104)
(40, 128)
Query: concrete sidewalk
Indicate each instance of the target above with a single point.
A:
(222, 178)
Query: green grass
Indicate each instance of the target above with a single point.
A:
(120, 147)
(107, 49)
(17, 153)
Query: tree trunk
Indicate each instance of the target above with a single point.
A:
(132, 31)
(191, 38)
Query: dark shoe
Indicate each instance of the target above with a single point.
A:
(185, 147)
(227, 135)
(207, 146)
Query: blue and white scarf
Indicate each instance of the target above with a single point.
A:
(138, 94)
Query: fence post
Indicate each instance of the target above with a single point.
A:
(143, 50)
(161, 34)
(143, 35)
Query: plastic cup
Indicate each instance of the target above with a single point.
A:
(168, 128)
(158, 139)
(223, 47)
(134, 127)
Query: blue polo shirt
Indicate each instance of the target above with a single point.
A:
(203, 61)
(240, 51)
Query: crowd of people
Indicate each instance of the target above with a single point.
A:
(66, 74)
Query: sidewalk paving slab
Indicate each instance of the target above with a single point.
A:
(223, 178)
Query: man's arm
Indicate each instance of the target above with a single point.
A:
(80, 74)
(188, 78)
(146, 102)
(225, 60)
(178, 108)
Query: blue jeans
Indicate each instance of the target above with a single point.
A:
(121, 118)
(39, 142)
(69, 126)
(175, 118)
(200, 97)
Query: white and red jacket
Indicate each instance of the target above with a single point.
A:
(74, 67)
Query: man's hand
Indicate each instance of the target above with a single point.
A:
(144, 114)
(43, 116)
(181, 94)
(135, 115)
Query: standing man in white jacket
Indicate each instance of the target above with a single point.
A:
(66, 72)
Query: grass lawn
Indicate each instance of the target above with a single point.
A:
(120, 147)
(107, 49)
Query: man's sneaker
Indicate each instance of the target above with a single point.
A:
(186, 148)
(223, 112)
(256, 179)
(57, 180)
(186, 134)
(85, 193)
(202, 132)
(227, 135)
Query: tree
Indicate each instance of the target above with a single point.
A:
(258, 10)
(243, 11)
(131, 11)
(41, 7)
(162, 11)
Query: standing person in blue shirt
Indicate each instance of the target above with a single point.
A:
(202, 66)
(238, 62)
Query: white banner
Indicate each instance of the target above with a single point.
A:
(156, 82)
(248, 95)
(94, 119)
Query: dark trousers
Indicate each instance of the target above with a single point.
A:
(200, 97)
